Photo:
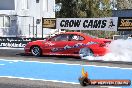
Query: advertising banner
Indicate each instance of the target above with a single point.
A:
(124, 24)
(49, 23)
(107, 24)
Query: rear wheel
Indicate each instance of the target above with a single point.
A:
(36, 51)
(84, 52)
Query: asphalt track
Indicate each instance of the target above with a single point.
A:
(18, 54)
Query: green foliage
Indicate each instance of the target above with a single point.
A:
(86, 9)
(124, 4)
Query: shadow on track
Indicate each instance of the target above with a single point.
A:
(20, 53)
(71, 58)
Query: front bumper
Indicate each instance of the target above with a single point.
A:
(27, 50)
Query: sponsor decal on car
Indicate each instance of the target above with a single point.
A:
(78, 45)
(49, 44)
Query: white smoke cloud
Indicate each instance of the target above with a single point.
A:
(120, 50)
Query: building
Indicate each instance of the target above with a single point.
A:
(23, 18)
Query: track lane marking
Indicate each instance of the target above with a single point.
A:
(40, 79)
(64, 64)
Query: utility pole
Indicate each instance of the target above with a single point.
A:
(42, 27)
(33, 27)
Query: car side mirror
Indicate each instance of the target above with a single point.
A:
(46, 39)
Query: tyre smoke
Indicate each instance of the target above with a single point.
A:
(120, 50)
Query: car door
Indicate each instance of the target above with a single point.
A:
(56, 44)
(75, 43)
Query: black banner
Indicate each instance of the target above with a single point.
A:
(16, 42)
(124, 24)
(49, 23)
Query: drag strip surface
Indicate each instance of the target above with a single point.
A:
(59, 72)
(18, 54)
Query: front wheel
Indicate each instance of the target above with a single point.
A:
(84, 52)
(36, 51)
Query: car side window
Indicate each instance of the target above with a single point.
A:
(76, 38)
(81, 38)
(62, 37)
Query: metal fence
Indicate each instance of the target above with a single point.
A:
(115, 37)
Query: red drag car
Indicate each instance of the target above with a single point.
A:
(69, 43)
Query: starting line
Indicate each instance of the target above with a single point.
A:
(59, 72)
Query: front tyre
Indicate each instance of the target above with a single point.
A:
(36, 51)
(84, 52)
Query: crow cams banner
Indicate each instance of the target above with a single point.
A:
(107, 24)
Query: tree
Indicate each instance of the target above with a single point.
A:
(97, 8)
(85, 9)
(67, 9)
(124, 4)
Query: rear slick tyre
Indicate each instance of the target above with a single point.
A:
(84, 52)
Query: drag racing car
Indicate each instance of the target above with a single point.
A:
(68, 44)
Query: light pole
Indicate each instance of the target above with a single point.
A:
(57, 9)
(79, 2)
